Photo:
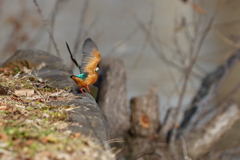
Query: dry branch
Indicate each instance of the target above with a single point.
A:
(167, 124)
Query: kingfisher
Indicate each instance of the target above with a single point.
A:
(89, 65)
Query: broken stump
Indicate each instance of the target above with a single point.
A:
(145, 115)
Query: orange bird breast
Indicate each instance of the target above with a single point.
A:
(90, 79)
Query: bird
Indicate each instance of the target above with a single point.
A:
(89, 65)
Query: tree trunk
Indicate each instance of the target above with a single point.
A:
(112, 95)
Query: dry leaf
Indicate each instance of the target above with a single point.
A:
(198, 8)
(29, 142)
(49, 139)
(3, 136)
(75, 135)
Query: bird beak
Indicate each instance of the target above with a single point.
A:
(71, 76)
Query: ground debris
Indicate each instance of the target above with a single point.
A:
(24, 92)
(30, 129)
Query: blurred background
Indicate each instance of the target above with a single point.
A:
(156, 39)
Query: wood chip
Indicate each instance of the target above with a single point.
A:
(144, 121)
(24, 92)
(3, 107)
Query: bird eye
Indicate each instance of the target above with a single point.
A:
(96, 69)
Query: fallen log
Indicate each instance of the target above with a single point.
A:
(206, 91)
(87, 115)
(46, 66)
(201, 140)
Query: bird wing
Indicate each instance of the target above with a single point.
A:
(74, 61)
(91, 57)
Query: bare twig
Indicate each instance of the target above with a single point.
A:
(129, 36)
(81, 26)
(184, 147)
(80, 29)
(89, 28)
(186, 30)
(179, 106)
(117, 150)
(194, 53)
(160, 53)
(186, 77)
(175, 40)
(47, 27)
(148, 153)
(53, 17)
(17, 37)
(38, 37)
(150, 25)
(228, 40)
(205, 33)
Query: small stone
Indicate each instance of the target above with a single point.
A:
(45, 115)
(3, 90)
